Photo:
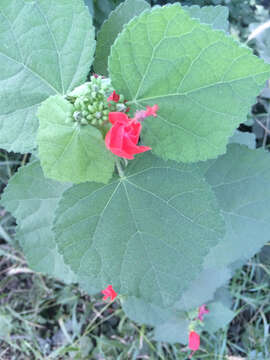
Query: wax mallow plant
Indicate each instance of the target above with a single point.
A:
(136, 184)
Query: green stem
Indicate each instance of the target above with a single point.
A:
(119, 168)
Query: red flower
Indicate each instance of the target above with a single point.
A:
(109, 293)
(113, 97)
(202, 311)
(193, 342)
(151, 111)
(124, 135)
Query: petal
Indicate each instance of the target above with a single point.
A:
(151, 110)
(136, 128)
(114, 137)
(113, 97)
(114, 141)
(131, 148)
(119, 117)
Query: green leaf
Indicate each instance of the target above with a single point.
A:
(219, 316)
(112, 27)
(216, 16)
(90, 5)
(102, 10)
(68, 151)
(200, 291)
(144, 312)
(244, 138)
(203, 81)
(32, 200)
(146, 233)
(240, 180)
(173, 331)
(46, 47)
(176, 329)
(203, 288)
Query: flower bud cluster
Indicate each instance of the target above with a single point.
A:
(90, 102)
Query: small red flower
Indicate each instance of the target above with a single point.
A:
(193, 342)
(114, 97)
(109, 293)
(151, 111)
(202, 311)
(124, 135)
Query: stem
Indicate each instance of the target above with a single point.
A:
(264, 127)
(119, 168)
(24, 159)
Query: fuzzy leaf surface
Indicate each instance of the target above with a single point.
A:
(173, 331)
(244, 138)
(216, 16)
(112, 27)
(147, 233)
(69, 152)
(46, 47)
(240, 180)
(219, 316)
(203, 81)
(32, 200)
(200, 291)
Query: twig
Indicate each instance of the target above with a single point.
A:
(263, 126)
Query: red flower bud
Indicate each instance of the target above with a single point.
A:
(194, 341)
(114, 97)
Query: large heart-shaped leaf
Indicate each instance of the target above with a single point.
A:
(203, 81)
(146, 233)
(46, 47)
(240, 180)
(32, 199)
(112, 27)
(69, 151)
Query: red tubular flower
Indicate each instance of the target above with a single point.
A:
(113, 97)
(202, 311)
(193, 342)
(109, 293)
(151, 111)
(124, 135)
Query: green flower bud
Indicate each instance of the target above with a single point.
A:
(84, 121)
(98, 115)
(91, 108)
